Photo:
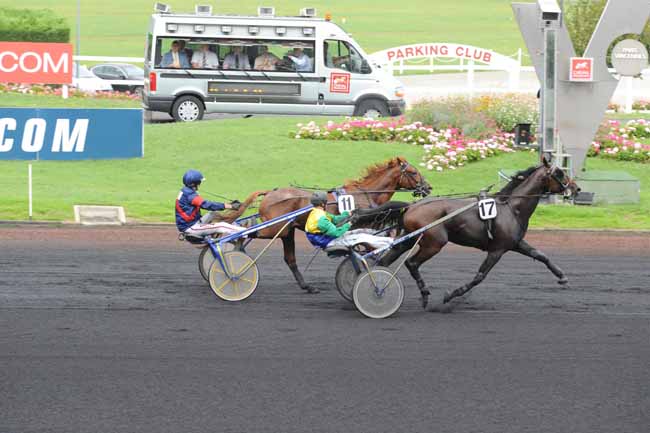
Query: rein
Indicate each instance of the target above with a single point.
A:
(361, 190)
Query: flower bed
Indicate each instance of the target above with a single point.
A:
(479, 116)
(623, 142)
(43, 89)
(443, 149)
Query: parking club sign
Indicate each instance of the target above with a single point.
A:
(582, 69)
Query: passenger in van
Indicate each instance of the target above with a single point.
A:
(175, 58)
(301, 61)
(236, 59)
(188, 51)
(265, 61)
(205, 59)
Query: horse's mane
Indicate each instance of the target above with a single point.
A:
(516, 180)
(373, 171)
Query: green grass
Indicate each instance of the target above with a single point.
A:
(239, 156)
(51, 101)
(118, 28)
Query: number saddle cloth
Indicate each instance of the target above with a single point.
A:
(483, 195)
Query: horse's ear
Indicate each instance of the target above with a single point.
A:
(400, 160)
(545, 162)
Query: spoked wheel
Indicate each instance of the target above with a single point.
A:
(345, 278)
(378, 305)
(237, 287)
(206, 258)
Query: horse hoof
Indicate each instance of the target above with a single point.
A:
(563, 281)
(310, 290)
(425, 301)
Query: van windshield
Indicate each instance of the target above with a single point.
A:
(232, 54)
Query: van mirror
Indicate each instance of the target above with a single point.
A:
(365, 67)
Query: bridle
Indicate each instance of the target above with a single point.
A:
(552, 173)
(420, 188)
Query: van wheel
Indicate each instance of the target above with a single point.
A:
(187, 109)
(372, 108)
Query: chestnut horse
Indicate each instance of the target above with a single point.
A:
(375, 188)
(516, 203)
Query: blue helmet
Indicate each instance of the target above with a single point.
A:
(192, 178)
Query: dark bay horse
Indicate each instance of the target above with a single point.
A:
(516, 203)
(375, 188)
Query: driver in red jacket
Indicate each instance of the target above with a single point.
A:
(188, 209)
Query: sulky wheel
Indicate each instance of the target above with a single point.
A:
(237, 287)
(345, 278)
(206, 258)
(374, 305)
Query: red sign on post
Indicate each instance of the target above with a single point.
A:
(29, 62)
(339, 82)
(582, 69)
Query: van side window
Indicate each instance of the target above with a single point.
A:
(235, 54)
(342, 55)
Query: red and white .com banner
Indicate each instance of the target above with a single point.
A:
(32, 62)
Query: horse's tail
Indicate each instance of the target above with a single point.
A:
(231, 215)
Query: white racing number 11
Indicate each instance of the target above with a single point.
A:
(346, 203)
(487, 209)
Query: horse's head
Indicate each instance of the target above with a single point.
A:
(557, 181)
(411, 178)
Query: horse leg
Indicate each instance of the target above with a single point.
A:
(428, 249)
(492, 259)
(528, 250)
(289, 245)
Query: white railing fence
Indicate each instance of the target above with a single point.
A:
(511, 64)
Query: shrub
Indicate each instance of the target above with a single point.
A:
(510, 109)
(477, 117)
(30, 25)
(457, 112)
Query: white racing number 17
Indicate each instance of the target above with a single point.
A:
(487, 209)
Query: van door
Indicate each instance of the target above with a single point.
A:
(346, 74)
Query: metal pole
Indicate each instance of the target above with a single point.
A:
(29, 188)
(78, 34)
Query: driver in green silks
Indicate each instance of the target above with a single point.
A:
(322, 230)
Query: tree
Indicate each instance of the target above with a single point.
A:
(581, 18)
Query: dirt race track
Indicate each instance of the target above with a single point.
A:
(115, 330)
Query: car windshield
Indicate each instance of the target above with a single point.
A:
(133, 71)
(83, 72)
